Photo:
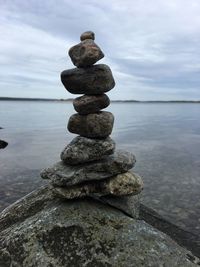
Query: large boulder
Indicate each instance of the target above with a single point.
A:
(44, 232)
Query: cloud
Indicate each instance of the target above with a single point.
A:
(151, 46)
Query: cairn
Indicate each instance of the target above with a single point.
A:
(90, 165)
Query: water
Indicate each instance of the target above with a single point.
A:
(165, 137)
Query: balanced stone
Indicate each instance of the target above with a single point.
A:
(82, 149)
(87, 35)
(120, 185)
(61, 174)
(95, 125)
(85, 54)
(93, 80)
(87, 104)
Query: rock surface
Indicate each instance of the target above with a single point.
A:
(61, 174)
(95, 125)
(87, 104)
(81, 233)
(82, 149)
(87, 35)
(119, 185)
(3, 144)
(85, 54)
(93, 80)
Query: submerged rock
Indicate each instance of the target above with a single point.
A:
(61, 174)
(3, 144)
(82, 149)
(95, 125)
(87, 104)
(93, 80)
(83, 233)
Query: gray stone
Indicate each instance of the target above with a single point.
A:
(85, 54)
(95, 125)
(84, 233)
(87, 104)
(82, 149)
(93, 80)
(128, 204)
(61, 174)
(87, 35)
(119, 185)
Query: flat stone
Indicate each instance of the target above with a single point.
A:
(85, 54)
(119, 185)
(87, 104)
(95, 125)
(87, 35)
(82, 232)
(82, 149)
(93, 80)
(62, 174)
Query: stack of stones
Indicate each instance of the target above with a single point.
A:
(90, 165)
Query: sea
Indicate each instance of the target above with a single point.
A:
(165, 138)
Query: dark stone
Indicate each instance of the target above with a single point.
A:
(87, 35)
(93, 80)
(85, 54)
(61, 174)
(95, 125)
(87, 104)
(3, 144)
(85, 233)
(82, 149)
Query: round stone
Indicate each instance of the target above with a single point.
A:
(82, 149)
(87, 35)
(85, 54)
(95, 125)
(87, 104)
(94, 80)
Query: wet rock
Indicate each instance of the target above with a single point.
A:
(3, 144)
(87, 35)
(85, 54)
(61, 174)
(93, 80)
(119, 185)
(85, 232)
(95, 125)
(82, 149)
(87, 104)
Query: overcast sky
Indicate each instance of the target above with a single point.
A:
(152, 46)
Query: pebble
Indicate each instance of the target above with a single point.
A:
(87, 35)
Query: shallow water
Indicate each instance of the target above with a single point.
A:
(165, 137)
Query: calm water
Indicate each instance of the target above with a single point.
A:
(164, 137)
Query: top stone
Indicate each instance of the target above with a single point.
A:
(87, 35)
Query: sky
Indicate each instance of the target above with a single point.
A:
(151, 46)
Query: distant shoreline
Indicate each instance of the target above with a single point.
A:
(117, 101)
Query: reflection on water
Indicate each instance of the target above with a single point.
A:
(164, 137)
